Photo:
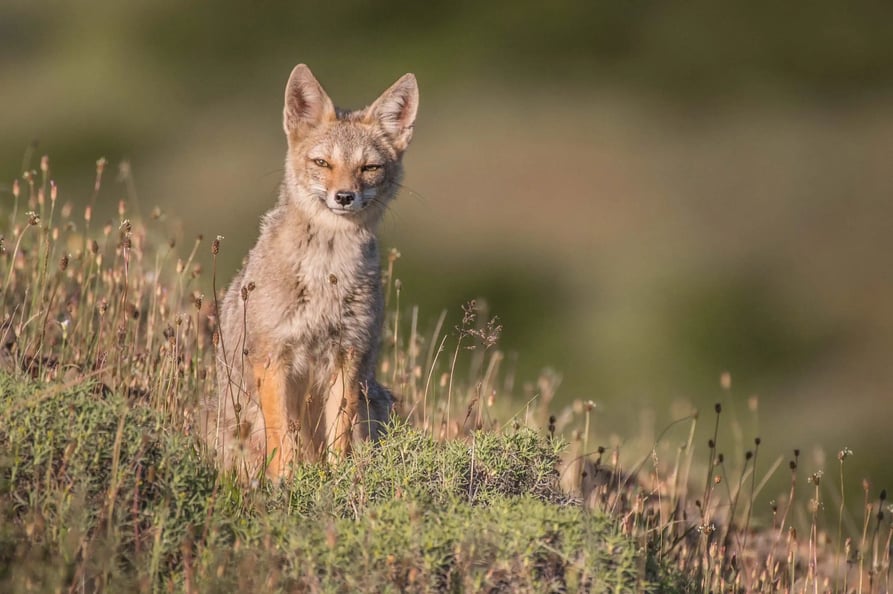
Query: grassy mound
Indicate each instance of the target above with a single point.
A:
(98, 492)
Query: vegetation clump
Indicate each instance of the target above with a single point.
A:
(101, 492)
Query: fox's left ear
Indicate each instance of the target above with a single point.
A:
(396, 110)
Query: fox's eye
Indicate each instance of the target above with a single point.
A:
(321, 163)
(368, 168)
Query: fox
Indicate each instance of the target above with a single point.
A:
(300, 324)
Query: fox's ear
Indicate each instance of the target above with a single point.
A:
(396, 109)
(306, 103)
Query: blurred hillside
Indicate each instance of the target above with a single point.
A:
(646, 194)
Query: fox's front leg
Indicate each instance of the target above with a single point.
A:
(341, 407)
(271, 384)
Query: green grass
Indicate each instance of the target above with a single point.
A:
(101, 492)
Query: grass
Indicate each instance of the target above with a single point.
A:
(481, 484)
(99, 493)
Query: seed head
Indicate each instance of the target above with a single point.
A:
(469, 312)
(753, 403)
(844, 454)
(725, 380)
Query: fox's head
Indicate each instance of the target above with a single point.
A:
(345, 166)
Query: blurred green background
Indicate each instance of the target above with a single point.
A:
(647, 194)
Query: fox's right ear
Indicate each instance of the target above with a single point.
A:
(306, 103)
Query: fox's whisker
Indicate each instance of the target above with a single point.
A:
(408, 190)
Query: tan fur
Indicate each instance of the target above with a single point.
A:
(301, 323)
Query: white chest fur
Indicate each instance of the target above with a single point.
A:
(327, 299)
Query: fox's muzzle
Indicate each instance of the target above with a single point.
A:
(345, 198)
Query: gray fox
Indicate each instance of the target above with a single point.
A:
(299, 326)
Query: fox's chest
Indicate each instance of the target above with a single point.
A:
(334, 302)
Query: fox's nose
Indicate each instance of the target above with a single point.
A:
(344, 197)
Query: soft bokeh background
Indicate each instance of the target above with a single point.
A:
(647, 194)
